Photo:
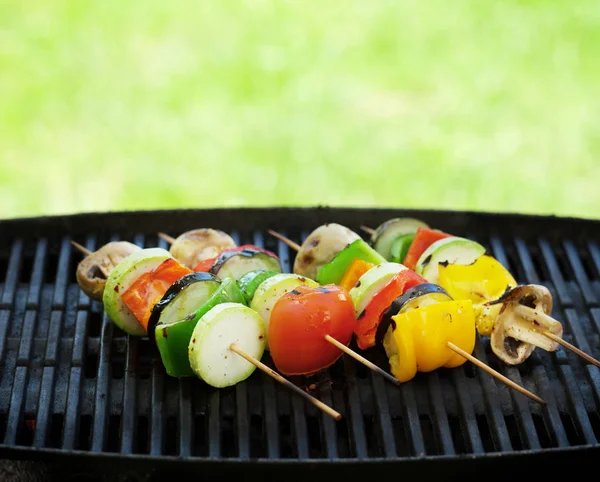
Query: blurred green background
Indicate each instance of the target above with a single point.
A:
(120, 105)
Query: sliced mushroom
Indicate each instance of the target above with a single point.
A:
(94, 269)
(521, 323)
(320, 247)
(197, 245)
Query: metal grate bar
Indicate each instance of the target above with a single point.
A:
(523, 254)
(79, 340)
(44, 407)
(54, 330)
(37, 274)
(72, 413)
(555, 275)
(214, 425)
(594, 311)
(102, 392)
(12, 274)
(16, 406)
(552, 419)
(578, 413)
(522, 413)
(62, 274)
(356, 420)
(582, 280)
(595, 252)
(594, 376)
(383, 414)
(491, 395)
(129, 397)
(328, 424)
(185, 418)
(576, 330)
(27, 331)
(440, 415)
(468, 419)
(411, 419)
(300, 429)
(4, 324)
(157, 407)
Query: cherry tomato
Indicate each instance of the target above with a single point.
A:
(150, 287)
(299, 321)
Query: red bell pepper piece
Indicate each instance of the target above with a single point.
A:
(150, 287)
(368, 321)
(206, 264)
(424, 238)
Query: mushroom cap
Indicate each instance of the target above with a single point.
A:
(93, 270)
(533, 296)
(197, 245)
(320, 247)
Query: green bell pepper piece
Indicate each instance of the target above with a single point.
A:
(252, 280)
(400, 247)
(333, 272)
(173, 339)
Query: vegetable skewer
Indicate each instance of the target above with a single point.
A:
(202, 335)
(451, 346)
(517, 313)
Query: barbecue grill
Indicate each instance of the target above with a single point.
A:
(80, 398)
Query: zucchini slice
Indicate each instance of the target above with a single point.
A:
(235, 264)
(273, 288)
(452, 250)
(386, 233)
(121, 278)
(372, 282)
(251, 281)
(208, 350)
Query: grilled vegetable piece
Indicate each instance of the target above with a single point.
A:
(299, 322)
(182, 299)
(196, 245)
(357, 268)
(417, 339)
(320, 247)
(173, 338)
(400, 247)
(251, 281)
(522, 316)
(368, 320)
(413, 298)
(424, 237)
(150, 287)
(92, 271)
(209, 353)
(452, 250)
(235, 264)
(273, 288)
(333, 272)
(372, 282)
(386, 233)
(481, 281)
(120, 280)
(208, 263)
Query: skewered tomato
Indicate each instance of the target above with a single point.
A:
(299, 322)
(150, 287)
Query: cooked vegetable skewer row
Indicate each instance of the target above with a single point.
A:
(506, 312)
(490, 370)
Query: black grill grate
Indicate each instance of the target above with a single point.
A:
(72, 383)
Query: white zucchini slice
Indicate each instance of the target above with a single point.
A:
(121, 278)
(372, 282)
(210, 356)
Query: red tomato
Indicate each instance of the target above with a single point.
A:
(423, 239)
(299, 321)
(206, 264)
(368, 320)
(149, 288)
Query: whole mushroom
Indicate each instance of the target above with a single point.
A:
(95, 268)
(197, 245)
(521, 323)
(320, 247)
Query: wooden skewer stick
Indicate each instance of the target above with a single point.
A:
(167, 238)
(285, 240)
(362, 360)
(493, 372)
(567, 345)
(81, 248)
(272, 373)
(367, 230)
(532, 314)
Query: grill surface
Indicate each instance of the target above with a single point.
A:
(76, 393)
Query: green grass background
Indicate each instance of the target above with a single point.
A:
(119, 105)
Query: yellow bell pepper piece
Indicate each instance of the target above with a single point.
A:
(418, 340)
(484, 280)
